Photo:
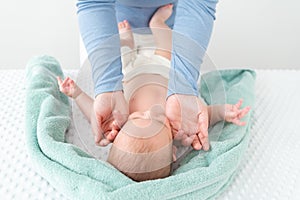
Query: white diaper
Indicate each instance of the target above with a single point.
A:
(142, 60)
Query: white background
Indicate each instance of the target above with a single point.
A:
(35, 27)
(247, 33)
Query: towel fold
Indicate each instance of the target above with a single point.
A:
(203, 175)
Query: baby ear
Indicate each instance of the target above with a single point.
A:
(174, 153)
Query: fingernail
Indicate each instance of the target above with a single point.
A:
(206, 147)
(102, 143)
(197, 147)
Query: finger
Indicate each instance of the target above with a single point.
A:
(119, 119)
(196, 144)
(59, 80)
(66, 79)
(98, 134)
(203, 133)
(104, 142)
(231, 115)
(178, 135)
(188, 141)
(115, 126)
(112, 135)
(244, 112)
(96, 128)
(174, 153)
(239, 103)
(238, 122)
(65, 82)
(203, 138)
(203, 122)
(204, 141)
(97, 138)
(175, 135)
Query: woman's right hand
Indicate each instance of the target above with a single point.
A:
(110, 114)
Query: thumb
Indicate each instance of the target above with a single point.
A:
(203, 132)
(96, 128)
(59, 80)
(119, 119)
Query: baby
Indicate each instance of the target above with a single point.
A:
(143, 148)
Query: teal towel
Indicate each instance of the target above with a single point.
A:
(79, 176)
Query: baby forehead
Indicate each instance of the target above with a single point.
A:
(143, 128)
(157, 109)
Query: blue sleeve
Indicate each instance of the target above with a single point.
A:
(99, 31)
(191, 34)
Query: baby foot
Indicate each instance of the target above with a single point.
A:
(161, 15)
(125, 32)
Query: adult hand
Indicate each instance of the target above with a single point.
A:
(188, 117)
(110, 114)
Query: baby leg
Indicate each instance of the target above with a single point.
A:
(126, 37)
(127, 43)
(161, 31)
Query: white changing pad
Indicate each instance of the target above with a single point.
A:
(270, 169)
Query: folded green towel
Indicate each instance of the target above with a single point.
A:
(79, 176)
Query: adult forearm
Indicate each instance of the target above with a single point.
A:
(98, 28)
(192, 31)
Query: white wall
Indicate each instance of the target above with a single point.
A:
(256, 33)
(247, 33)
(35, 27)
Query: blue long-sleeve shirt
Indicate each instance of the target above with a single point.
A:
(191, 21)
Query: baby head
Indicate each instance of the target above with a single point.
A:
(143, 148)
